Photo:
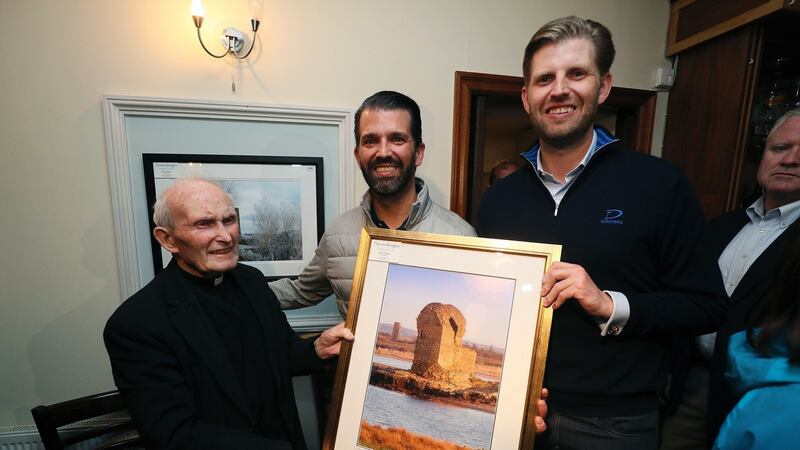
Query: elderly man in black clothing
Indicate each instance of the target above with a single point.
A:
(632, 273)
(203, 354)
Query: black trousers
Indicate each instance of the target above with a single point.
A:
(687, 428)
(566, 432)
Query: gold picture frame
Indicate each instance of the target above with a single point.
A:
(479, 341)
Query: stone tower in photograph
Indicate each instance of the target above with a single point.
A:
(439, 354)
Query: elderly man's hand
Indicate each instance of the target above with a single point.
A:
(541, 413)
(565, 281)
(329, 343)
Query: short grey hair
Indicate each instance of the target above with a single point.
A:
(162, 213)
(572, 27)
(162, 216)
(795, 112)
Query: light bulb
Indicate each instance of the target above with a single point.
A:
(256, 9)
(197, 8)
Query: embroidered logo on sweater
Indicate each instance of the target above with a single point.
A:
(613, 216)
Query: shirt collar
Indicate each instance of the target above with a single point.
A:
(600, 139)
(577, 169)
(367, 201)
(787, 213)
(201, 281)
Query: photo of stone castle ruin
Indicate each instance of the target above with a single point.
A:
(439, 354)
(437, 361)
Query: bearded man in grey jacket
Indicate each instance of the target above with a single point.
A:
(389, 147)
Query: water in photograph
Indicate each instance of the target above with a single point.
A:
(462, 426)
(485, 377)
(406, 365)
(392, 362)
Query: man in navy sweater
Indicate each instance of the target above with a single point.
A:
(633, 273)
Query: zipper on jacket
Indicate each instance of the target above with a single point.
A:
(535, 169)
(572, 186)
(547, 194)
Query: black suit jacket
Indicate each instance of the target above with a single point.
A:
(743, 302)
(174, 373)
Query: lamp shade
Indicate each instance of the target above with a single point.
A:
(197, 8)
(256, 9)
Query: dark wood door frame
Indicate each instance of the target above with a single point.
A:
(635, 122)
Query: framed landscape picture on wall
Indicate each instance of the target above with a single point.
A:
(278, 201)
(451, 342)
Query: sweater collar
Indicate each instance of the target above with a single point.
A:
(602, 139)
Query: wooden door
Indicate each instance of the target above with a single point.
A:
(708, 114)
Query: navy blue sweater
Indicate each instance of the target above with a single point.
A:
(634, 223)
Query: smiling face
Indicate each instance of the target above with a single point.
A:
(564, 91)
(779, 171)
(205, 236)
(386, 151)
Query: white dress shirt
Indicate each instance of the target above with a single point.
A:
(741, 252)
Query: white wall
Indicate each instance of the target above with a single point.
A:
(58, 280)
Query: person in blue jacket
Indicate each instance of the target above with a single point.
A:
(765, 367)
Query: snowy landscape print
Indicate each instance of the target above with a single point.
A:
(269, 218)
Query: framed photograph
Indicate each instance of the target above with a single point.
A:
(278, 200)
(451, 342)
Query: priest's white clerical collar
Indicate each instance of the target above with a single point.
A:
(218, 280)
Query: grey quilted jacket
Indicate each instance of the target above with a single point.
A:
(331, 269)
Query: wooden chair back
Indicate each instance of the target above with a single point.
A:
(49, 418)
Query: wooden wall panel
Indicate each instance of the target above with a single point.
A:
(708, 114)
(693, 22)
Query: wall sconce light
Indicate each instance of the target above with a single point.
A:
(232, 39)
